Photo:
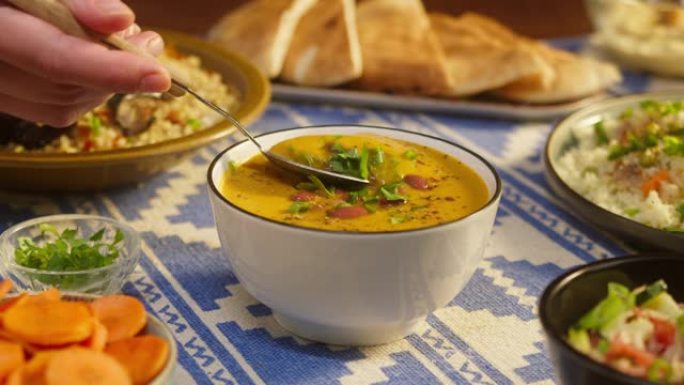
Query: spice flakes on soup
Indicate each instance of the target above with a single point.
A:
(411, 187)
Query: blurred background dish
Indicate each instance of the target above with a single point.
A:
(570, 296)
(622, 223)
(87, 171)
(646, 35)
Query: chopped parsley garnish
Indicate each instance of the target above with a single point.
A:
(399, 218)
(410, 155)
(95, 125)
(299, 207)
(391, 192)
(67, 251)
(680, 210)
(675, 229)
(600, 132)
(232, 166)
(363, 163)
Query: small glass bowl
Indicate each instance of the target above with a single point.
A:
(102, 280)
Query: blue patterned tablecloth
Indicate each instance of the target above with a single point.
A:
(488, 334)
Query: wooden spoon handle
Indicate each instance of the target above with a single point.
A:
(57, 14)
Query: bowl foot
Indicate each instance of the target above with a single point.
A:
(347, 336)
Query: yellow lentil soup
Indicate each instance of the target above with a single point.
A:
(412, 186)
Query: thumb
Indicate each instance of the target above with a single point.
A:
(104, 16)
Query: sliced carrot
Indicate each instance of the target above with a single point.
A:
(50, 294)
(5, 287)
(123, 316)
(33, 373)
(11, 357)
(654, 182)
(79, 366)
(8, 303)
(143, 357)
(49, 323)
(98, 340)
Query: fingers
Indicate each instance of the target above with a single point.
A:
(57, 116)
(133, 29)
(25, 86)
(45, 51)
(149, 40)
(104, 16)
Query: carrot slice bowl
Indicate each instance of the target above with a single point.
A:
(49, 338)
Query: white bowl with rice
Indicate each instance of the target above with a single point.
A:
(620, 164)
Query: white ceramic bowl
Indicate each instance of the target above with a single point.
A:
(351, 288)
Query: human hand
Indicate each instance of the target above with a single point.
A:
(50, 77)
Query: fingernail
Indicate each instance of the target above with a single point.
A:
(154, 83)
(112, 7)
(155, 45)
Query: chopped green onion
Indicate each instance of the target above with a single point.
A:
(378, 156)
(600, 132)
(194, 123)
(631, 211)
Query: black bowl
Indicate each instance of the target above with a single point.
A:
(574, 293)
(636, 235)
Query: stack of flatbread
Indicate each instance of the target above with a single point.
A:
(395, 46)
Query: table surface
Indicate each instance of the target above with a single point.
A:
(488, 334)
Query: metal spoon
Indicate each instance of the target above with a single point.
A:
(56, 13)
(281, 161)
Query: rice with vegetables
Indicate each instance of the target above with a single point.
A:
(130, 120)
(633, 164)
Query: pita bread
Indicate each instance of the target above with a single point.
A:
(576, 77)
(572, 77)
(262, 31)
(325, 49)
(400, 52)
(481, 56)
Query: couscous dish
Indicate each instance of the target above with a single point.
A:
(129, 120)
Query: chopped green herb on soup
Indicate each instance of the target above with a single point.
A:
(411, 186)
(639, 332)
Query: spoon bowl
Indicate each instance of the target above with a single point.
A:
(332, 178)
